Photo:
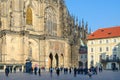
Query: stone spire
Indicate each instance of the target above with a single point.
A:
(83, 23)
(86, 27)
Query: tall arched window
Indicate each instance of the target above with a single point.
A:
(50, 21)
(29, 16)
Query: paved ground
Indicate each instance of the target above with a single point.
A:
(105, 75)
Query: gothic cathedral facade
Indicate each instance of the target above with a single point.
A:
(42, 31)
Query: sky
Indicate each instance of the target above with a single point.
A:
(98, 13)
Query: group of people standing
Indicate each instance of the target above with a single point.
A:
(76, 71)
(35, 70)
(10, 70)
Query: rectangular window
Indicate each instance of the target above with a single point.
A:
(107, 41)
(107, 49)
(100, 42)
(92, 42)
(114, 40)
(100, 49)
(91, 49)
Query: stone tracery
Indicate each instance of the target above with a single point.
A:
(50, 21)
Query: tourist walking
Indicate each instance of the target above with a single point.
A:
(39, 72)
(51, 71)
(89, 73)
(7, 71)
(70, 70)
(35, 70)
(11, 69)
(75, 72)
(58, 71)
(14, 69)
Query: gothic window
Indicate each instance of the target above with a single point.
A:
(50, 22)
(29, 16)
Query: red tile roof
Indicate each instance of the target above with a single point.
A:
(105, 33)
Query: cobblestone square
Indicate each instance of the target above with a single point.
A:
(105, 75)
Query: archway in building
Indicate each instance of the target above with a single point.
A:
(57, 60)
(113, 66)
(80, 64)
(51, 59)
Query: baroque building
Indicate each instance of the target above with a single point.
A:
(42, 31)
(104, 48)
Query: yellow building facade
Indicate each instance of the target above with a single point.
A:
(104, 48)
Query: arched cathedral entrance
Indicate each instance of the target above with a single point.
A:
(56, 60)
(50, 60)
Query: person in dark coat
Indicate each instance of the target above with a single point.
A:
(58, 71)
(89, 73)
(51, 71)
(11, 69)
(39, 72)
(75, 71)
(7, 71)
(70, 70)
(14, 69)
(35, 70)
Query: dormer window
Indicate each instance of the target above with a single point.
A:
(102, 30)
(109, 33)
(92, 34)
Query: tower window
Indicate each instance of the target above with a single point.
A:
(29, 16)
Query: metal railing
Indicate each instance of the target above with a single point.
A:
(110, 60)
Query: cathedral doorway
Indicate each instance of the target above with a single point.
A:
(57, 60)
(51, 60)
